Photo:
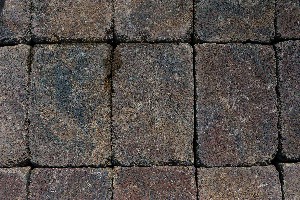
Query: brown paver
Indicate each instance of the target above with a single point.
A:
(153, 20)
(288, 18)
(239, 183)
(291, 181)
(153, 104)
(236, 104)
(66, 20)
(155, 183)
(70, 107)
(13, 182)
(70, 183)
(289, 69)
(14, 21)
(233, 20)
(13, 104)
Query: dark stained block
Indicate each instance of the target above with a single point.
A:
(14, 21)
(234, 20)
(153, 104)
(155, 183)
(13, 105)
(289, 70)
(13, 182)
(239, 183)
(291, 181)
(236, 104)
(288, 19)
(70, 183)
(71, 20)
(153, 20)
(70, 105)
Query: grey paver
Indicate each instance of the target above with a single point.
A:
(291, 180)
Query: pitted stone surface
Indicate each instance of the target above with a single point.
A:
(13, 105)
(153, 104)
(72, 183)
(71, 20)
(239, 183)
(234, 20)
(153, 20)
(291, 181)
(155, 183)
(236, 104)
(70, 105)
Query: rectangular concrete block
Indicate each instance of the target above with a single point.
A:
(236, 104)
(153, 104)
(291, 180)
(70, 105)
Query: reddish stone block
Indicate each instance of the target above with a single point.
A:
(291, 180)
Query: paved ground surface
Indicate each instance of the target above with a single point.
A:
(153, 99)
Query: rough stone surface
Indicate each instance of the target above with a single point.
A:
(234, 20)
(155, 183)
(291, 181)
(71, 183)
(70, 105)
(14, 21)
(66, 20)
(239, 183)
(13, 104)
(288, 18)
(13, 183)
(289, 69)
(153, 104)
(236, 104)
(153, 20)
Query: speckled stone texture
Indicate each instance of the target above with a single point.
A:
(13, 182)
(289, 69)
(234, 20)
(70, 105)
(71, 183)
(236, 104)
(153, 20)
(14, 21)
(155, 183)
(153, 104)
(291, 181)
(239, 183)
(288, 19)
(67, 20)
(13, 105)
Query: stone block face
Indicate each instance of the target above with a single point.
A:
(234, 20)
(153, 20)
(14, 21)
(239, 183)
(13, 105)
(291, 180)
(153, 104)
(70, 183)
(70, 105)
(236, 104)
(71, 20)
(155, 183)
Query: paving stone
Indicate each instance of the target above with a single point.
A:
(70, 106)
(291, 181)
(13, 182)
(288, 18)
(67, 20)
(155, 183)
(153, 20)
(289, 69)
(153, 104)
(14, 21)
(13, 104)
(234, 20)
(239, 183)
(70, 183)
(236, 104)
